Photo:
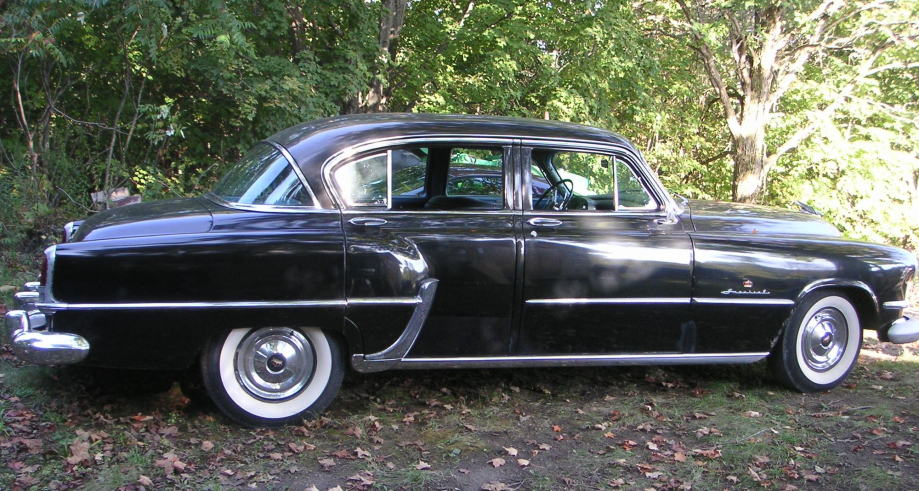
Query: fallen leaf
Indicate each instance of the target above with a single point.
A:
(326, 463)
(361, 453)
(609, 435)
(615, 415)
(616, 483)
(523, 462)
(422, 465)
(496, 462)
(545, 446)
(651, 446)
(752, 414)
(79, 452)
(557, 428)
(144, 481)
(511, 451)
(207, 445)
(495, 486)
(699, 416)
(679, 457)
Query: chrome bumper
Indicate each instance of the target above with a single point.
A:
(26, 329)
(903, 330)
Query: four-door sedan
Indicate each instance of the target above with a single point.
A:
(401, 241)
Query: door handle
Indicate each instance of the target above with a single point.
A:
(367, 221)
(544, 222)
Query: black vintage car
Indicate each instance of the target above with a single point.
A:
(412, 241)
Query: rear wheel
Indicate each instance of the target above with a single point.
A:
(272, 376)
(820, 344)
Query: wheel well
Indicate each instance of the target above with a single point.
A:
(864, 304)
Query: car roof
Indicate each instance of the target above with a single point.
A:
(313, 142)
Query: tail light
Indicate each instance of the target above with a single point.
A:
(43, 276)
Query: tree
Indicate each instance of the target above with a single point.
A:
(754, 52)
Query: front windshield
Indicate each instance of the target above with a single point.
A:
(262, 177)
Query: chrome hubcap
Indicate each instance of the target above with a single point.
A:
(274, 363)
(824, 339)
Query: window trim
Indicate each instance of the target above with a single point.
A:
(367, 148)
(274, 208)
(666, 206)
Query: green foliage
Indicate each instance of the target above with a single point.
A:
(159, 96)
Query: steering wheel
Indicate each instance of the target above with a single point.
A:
(554, 188)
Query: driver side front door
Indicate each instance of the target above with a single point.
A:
(609, 274)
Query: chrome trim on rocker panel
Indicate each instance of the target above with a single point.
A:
(781, 302)
(897, 305)
(387, 143)
(579, 301)
(558, 361)
(395, 353)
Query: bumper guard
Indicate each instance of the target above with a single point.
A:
(26, 329)
(903, 330)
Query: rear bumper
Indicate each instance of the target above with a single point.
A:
(27, 331)
(903, 330)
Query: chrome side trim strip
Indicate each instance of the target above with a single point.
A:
(397, 351)
(54, 307)
(627, 300)
(780, 302)
(898, 305)
(384, 301)
(364, 365)
(57, 306)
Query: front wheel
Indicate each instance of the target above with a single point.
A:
(272, 376)
(820, 344)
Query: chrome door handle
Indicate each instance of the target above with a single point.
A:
(367, 221)
(544, 222)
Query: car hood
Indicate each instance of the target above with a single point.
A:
(170, 217)
(716, 216)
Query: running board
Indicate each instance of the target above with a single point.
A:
(364, 365)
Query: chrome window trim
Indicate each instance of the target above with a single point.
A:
(360, 211)
(273, 208)
(297, 170)
(745, 301)
(631, 156)
(353, 151)
(897, 305)
(626, 300)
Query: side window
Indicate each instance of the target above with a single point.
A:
(364, 182)
(586, 181)
(477, 173)
(263, 177)
(409, 167)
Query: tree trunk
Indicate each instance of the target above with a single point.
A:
(749, 163)
(391, 19)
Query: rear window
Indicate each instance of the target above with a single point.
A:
(263, 177)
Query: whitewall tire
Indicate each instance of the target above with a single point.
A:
(820, 345)
(272, 376)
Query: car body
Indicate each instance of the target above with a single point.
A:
(349, 241)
